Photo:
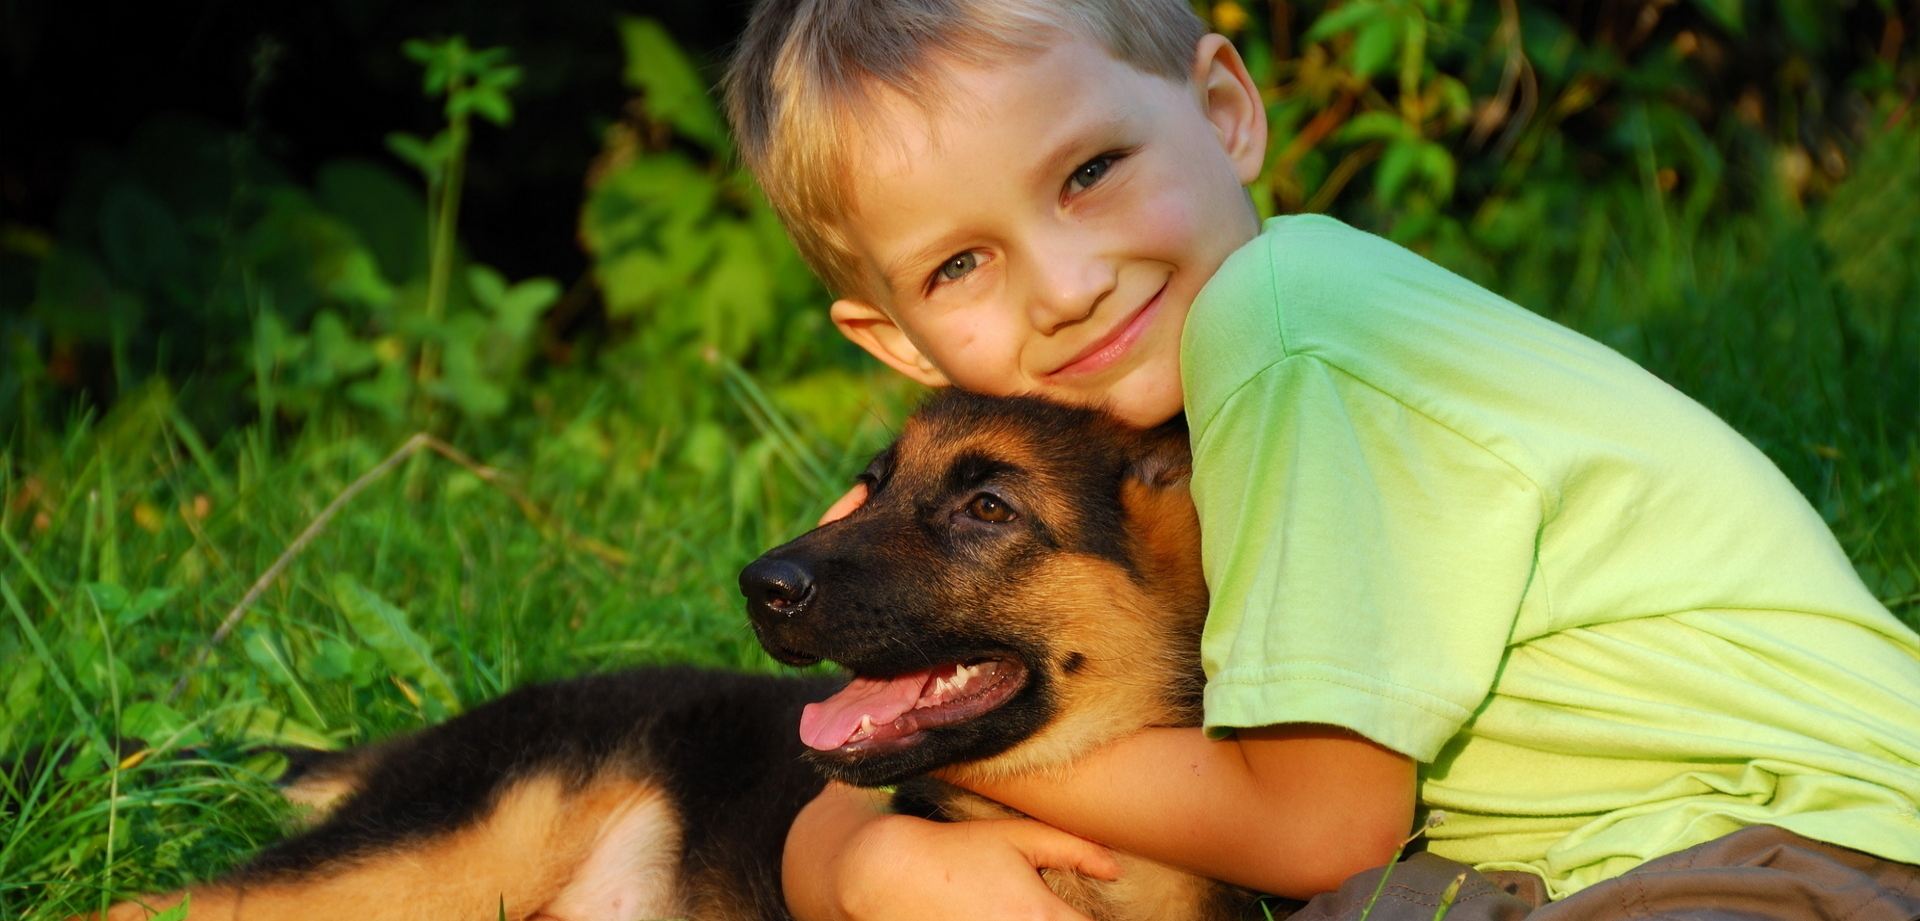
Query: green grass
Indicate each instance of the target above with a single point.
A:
(128, 538)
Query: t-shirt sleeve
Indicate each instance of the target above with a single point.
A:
(1366, 562)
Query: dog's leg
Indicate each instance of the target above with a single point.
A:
(608, 850)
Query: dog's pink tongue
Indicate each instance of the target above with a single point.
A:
(831, 723)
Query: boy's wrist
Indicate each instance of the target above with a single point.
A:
(821, 835)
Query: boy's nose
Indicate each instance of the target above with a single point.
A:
(1067, 289)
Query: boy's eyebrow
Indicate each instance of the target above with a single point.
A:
(903, 272)
(1074, 140)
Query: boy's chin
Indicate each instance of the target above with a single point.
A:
(1144, 400)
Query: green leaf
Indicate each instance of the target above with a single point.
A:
(418, 49)
(177, 912)
(489, 287)
(501, 77)
(336, 352)
(335, 660)
(1340, 19)
(1550, 44)
(158, 725)
(385, 211)
(442, 61)
(487, 60)
(22, 696)
(1375, 44)
(1728, 13)
(486, 102)
(386, 392)
(414, 152)
(1454, 98)
(673, 90)
(384, 628)
(464, 381)
(633, 283)
(736, 304)
(128, 609)
(1436, 164)
(520, 306)
(259, 724)
(354, 277)
(1373, 126)
(1396, 166)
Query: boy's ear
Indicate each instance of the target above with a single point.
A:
(870, 328)
(1232, 103)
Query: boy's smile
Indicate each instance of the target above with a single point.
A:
(1045, 229)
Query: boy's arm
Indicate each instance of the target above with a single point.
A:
(1291, 810)
(846, 857)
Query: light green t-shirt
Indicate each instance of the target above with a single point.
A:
(1607, 627)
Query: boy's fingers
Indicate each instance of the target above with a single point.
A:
(1046, 846)
(844, 506)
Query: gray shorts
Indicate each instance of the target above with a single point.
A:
(1759, 872)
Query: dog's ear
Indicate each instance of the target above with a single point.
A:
(1162, 457)
(1162, 525)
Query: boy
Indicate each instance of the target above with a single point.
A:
(1462, 559)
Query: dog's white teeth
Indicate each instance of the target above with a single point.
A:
(864, 730)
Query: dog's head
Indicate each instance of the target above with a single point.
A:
(1022, 584)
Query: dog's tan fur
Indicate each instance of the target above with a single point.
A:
(525, 859)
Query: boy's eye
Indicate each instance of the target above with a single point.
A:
(956, 268)
(1092, 171)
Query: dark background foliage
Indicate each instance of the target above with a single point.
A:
(1486, 133)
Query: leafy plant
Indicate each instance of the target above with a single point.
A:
(1480, 127)
(483, 347)
(718, 316)
(189, 255)
(684, 246)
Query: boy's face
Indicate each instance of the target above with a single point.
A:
(1046, 230)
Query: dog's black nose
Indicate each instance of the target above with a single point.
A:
(776, 586)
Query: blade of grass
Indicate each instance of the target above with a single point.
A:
(26, 565)
(52, 667)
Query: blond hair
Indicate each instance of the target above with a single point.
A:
(806, 70)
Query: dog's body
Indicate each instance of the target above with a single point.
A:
(1022, 586)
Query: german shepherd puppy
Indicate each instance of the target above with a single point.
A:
(1022, 585)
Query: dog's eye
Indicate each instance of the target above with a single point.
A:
(990, 508)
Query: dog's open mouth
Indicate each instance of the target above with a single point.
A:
(881, 714)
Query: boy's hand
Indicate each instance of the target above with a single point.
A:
(844, 506)
(846, 862)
